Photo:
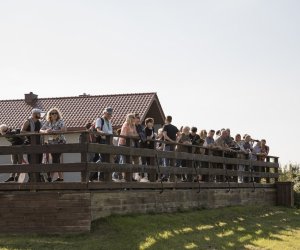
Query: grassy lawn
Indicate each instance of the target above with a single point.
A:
(223, 228)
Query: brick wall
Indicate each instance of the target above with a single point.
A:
(127, 202)
(44, 212)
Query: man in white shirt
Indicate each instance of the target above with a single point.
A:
(103, 124)
(104, 127)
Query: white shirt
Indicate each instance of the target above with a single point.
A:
(107, 126)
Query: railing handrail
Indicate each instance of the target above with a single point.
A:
(136, 138)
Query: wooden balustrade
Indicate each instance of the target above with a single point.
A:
(218, 168)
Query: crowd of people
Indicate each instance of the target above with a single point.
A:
(166, 138)
(169, 138)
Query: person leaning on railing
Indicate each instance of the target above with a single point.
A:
(195, 139)
(184, 139)
(170, 133)
(220, 145)
(104, 127)
(15, 139)
(159, 145)
(54, 124)
(264, 150)
(238, 145)
(33, 125)
(149, 143)
(138, 144)
(221, 141)
(128, 129)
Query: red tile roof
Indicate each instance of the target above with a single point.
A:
(78, 110)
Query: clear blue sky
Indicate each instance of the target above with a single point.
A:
(213, 64)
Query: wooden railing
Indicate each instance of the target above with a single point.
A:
(210, 168)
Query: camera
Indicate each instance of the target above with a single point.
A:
(14, 137)
(13, 131)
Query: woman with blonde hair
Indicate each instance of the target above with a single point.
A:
(203, 134)
(53, 124)
(128, 129)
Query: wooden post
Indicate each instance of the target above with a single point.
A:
(211, 178)
(267, 170)
(285, 194)
(260, 170)
(84, 141)
(276, 169)
(248, 168)
(128, 176)
(172, 163)
(240, 167)
(152, 174)
(190, 163)
(224, 166)
(108, 158)
(235, 166)
(34, 159)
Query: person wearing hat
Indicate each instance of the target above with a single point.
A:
(103, 126)
(33, 125)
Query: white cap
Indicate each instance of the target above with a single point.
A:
(36, 110)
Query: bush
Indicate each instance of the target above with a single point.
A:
(290, 172)
(297, 187)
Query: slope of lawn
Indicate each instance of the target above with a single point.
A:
(222, 228)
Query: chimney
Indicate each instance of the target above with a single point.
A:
(30, 98)
(84, 95)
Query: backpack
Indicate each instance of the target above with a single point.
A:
(141, 132)
(94, 138)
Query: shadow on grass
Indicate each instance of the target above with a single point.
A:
(224, 228)
(233, 231)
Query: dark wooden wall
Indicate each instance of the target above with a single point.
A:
(285, 194)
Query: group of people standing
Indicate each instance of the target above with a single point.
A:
(169, 136)
(53, 127)
(132, 127)
(53, 124)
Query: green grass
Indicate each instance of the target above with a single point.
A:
(223, 228)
